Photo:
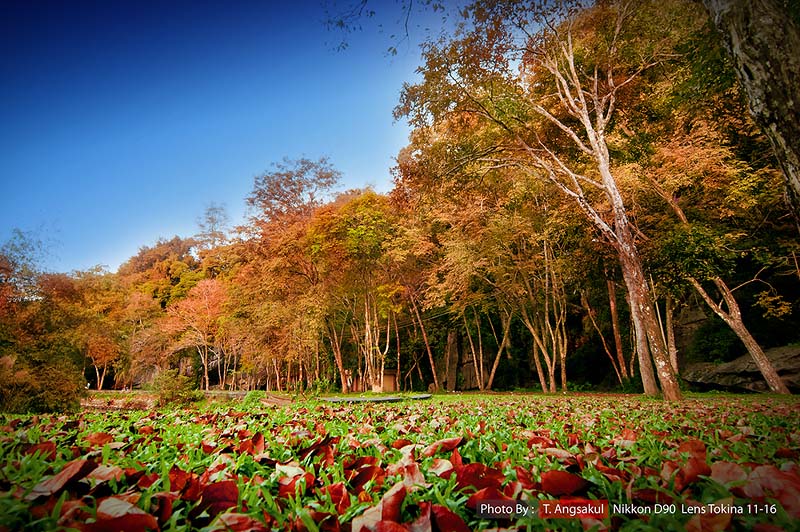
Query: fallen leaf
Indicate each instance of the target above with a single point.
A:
(71, 472)
(562, 483)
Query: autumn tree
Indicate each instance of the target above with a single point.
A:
(279, 274)
(554, 117)
(194, 323)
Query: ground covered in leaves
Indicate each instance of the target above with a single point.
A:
(448, 464)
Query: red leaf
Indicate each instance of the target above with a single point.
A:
(691, 472)
(445, 445)
(339, 496)
(220, 496)
(72, 472)
(388, 509)
(652, 496)
(413, 477)
(127, 523)
(525, 478)
(258, 443)
(45, 449)
(326, 522)
(148, 480)
(455, 459)
(350, 464)
(235, 522)
(178, 478)
(99, 438)
(112, 507)
(400, 443)
(478, 476)
(486, 494)
(389, 526)
(161, 505)
(423, 522)
(727, 472)
(447, 521)
(391, 502)
(288, 485)
(441, 467)
(562, 483)
(364, 475)
(104, 473)
(695, 448)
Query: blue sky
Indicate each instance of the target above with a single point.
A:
(120, 121)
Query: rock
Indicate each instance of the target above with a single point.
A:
(742, 374)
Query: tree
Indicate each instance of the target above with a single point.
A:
(555, 118)
(194, 322)
(763, 38)
(213, 226)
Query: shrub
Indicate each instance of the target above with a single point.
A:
(40, 386)
(174, 388)
(253, 400)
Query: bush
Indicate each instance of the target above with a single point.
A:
(253, 400)
(174, 388)
(40, 386)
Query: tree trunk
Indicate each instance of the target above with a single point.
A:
(647, 326)
(733, 317)
(436, 386)
(503, 345)
(539, 370)
(764, 42)
(590, 313)
(612, 304)
(478, 373)
(671, 347)
(336, 347)
(452, 359)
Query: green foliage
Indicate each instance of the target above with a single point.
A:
(691, 250)
(714, 342)
(253, 400)
(38, 386)
(174, 388)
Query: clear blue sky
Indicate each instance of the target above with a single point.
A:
(120, 121)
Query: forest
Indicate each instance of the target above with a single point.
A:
(587, 202)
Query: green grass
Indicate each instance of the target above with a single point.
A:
(275, 464)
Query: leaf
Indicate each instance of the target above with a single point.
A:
(364, 475)
(562, 483)
(389, 526)
(727, 472)
(339, 496)
(220, 496)
(445, 445)
(104, 473)
(695, 448)
(99, 439)
(446, 520)
(114, 513)
(235, 522)
(71, 472)
(391, 502)
(478, 476)
(441, 467)
(46, 449)
(288, 487)
(388, 509)
(486, 494)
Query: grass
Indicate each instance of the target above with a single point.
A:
(316, 465)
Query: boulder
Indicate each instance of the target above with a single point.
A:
(742, 374)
